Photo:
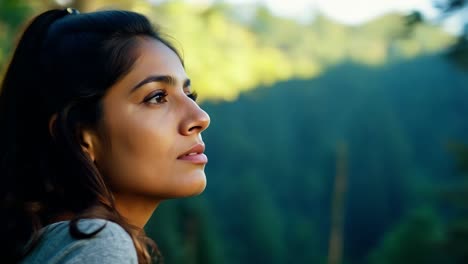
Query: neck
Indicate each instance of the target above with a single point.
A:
(136, 210)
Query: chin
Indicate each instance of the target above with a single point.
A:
(200, 187)
(193, 186)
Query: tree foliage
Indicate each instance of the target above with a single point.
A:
(228, 52)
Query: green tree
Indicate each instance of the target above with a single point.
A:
(418, 239)
(186, 232)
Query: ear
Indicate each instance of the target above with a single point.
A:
(52, 121)
(88, 142)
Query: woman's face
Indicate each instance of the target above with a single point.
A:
(149, 140)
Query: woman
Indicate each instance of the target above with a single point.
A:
(99, 125)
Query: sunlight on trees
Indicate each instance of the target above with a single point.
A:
(226, 54)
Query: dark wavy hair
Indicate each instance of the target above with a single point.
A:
(63, 65)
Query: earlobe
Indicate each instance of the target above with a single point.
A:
(52, 122)
(88, 143)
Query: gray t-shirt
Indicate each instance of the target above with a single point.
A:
(111, 245)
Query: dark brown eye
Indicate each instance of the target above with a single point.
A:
(157, 97)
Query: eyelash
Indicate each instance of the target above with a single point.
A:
(193, 95)
(157, 95)
(162, 95)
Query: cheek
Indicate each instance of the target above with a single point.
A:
(139, 153)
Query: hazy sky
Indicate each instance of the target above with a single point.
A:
(347, 11)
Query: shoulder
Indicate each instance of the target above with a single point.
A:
(110, 245)
(110, 230)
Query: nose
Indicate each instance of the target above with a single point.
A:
(196, 120)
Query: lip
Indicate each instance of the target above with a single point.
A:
(195, 154)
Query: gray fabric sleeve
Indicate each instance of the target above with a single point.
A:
(111, 245)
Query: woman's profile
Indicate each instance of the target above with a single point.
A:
(99, 124)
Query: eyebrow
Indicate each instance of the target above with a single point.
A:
(167, 79)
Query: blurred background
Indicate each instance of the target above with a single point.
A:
(339, 128)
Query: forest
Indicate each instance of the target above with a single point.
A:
(328, 143)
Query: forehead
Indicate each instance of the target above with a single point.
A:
(155, 58)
